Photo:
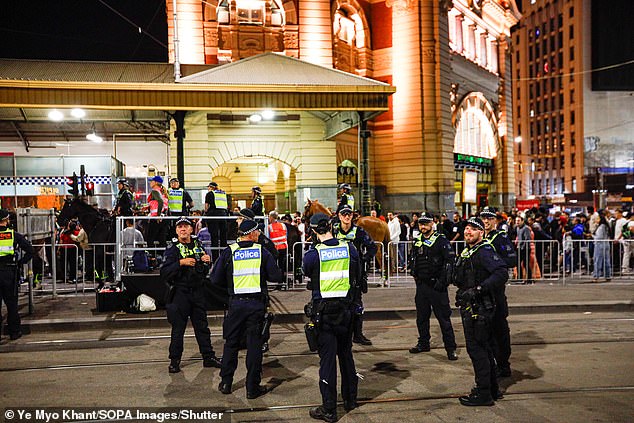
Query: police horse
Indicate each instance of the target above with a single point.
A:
(375, 227)
(100, 228)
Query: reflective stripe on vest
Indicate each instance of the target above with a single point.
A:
(6, 243)
(350, 200)
(469, 251)
(334, 270)
(220, 198)
(277, 234)
(189, 252)
(427, 242)
(350, 236)
(175, 200)
(246, 268)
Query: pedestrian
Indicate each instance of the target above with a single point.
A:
(243, 269)
(185, 268)
(216, 205)
(347, 231)
(333, 268)
(12, 243)
(158, 203)
(432, 268)
(257, 204)
(479, 275)
(87, 257)
(278, 234)
(394, 226)
(602, 259)
(500, 325)
(524, 250)
(125, 199)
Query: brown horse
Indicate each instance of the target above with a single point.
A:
(375, 227)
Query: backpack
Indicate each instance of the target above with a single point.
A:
(140, 261)
(626, 233)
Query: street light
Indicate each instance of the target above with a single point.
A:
(518, 139)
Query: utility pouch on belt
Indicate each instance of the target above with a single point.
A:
(311, 336)
(268, 321)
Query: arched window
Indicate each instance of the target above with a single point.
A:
(350, 38)
(476, 128)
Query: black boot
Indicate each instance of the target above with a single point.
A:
(175, 366)
(212, 361)
(477, 397)
(350, 405)
(257, 392)
(419, 348)
(361, 339)
(319, 413)
(451, 355)
(225, 387)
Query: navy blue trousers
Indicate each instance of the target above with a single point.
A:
(428, 299)
(188, 304)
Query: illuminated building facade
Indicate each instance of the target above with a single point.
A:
(450, 118)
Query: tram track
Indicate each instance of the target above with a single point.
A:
(270, 355)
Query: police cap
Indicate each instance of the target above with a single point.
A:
(247, 226)
(123, 181)
(488, 212)
(345, 209)
(247, 214)
(476, 222)
(184, 221)
(4, 214)
(213, 184)
(425, 217)
(320, 223)
(256, 189)
(174, 180)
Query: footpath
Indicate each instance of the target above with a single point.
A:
(78, 311)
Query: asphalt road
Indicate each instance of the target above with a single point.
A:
(566, 367)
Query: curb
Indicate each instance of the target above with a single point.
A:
(121, 321)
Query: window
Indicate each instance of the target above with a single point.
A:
(574, 184)
(572, 54)
(572, 117)
(571, 12)
(571, 32)
(572, 139)
(250, 12)
(572, 160)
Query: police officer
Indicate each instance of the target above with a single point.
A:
(502, 245)
(347, 231)
(243, 269)
(179, 200)
(479, 275)
(432, 268)
(346, 196)
(185, 268)
(10, 262)
(257, 205)
(333, 268)
(216, 205)
(125, 199)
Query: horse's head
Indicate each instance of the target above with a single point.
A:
(66, 213)
(314, 207)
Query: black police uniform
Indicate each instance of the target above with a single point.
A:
(125, 201)
(217, 227)
(432, 268)
(333, 319)
(367, 251)
(187, 300)
(480, 275)
(257, 205)
(501, 333)
(9, 272)
(245, 314)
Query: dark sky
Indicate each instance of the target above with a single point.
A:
(84, 30)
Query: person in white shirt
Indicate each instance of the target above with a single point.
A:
(394, 226)
(130, 236)
(624, 244)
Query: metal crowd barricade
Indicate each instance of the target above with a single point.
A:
(586, 260)
(377, 273)
(47, 275)
(537, 260)
(398, 253)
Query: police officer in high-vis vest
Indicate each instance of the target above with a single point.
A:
(185, 269)
(333, 268)
(502, 245)
(346, 197)
(10, 262)
(479, 275)
(348, 231)
(216, 204)
(244, 269)
(179, 200)
(432, 268)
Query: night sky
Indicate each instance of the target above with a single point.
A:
(84, 30)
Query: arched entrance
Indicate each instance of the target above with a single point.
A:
(476, 146)
(277, 179)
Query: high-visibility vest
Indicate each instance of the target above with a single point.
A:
(154, 204)
(175, 199)
(7, 238)
(277, 234)
(247, 262)
(187, 252)
(349, 198)
(427, 242)
(220, 198)
(350, 236)
(334, 269)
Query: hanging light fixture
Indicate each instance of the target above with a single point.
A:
(92, 135)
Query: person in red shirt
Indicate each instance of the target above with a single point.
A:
(67, 251)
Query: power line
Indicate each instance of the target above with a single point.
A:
(141, 30)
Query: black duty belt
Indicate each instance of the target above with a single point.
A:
(258, 297)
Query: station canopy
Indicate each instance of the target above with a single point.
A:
(138, 98)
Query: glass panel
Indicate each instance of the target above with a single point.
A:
(6, 165)
(39, 166)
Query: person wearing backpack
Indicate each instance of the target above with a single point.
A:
(502, 245)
